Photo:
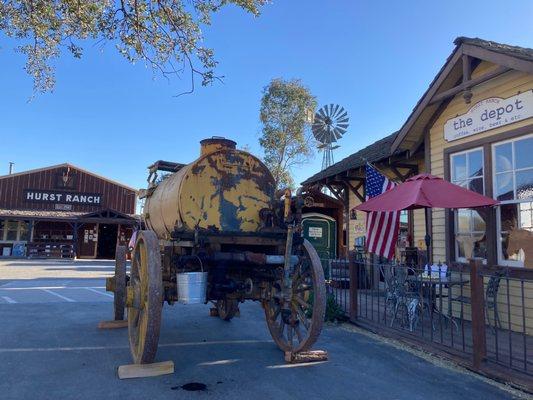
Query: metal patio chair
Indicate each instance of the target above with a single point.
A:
(402, 303)
(491, 299)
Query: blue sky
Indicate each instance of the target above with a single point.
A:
(375, 58)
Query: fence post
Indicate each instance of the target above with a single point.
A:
(354, 283)
(477, 300)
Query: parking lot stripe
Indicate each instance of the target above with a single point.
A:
(51, 287)
(180, 344)
(59, 295)
(99, 292)
(9, 299)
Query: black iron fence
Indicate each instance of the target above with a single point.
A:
(477, 315)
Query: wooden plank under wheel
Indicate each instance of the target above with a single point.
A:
(298, 330)
(144, 298)
(119, 298)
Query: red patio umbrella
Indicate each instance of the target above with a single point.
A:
(426, 191)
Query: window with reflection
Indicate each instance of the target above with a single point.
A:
(513, 186)
(24, 234)
(11, 230)
(470, 225)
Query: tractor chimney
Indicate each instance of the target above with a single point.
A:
(216, 143)
(11, 163)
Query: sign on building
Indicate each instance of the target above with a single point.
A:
(52, 196)
(490, 114)
(315, 232)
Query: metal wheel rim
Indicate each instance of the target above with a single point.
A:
(119, 298)
(303, 329)
(144, 321)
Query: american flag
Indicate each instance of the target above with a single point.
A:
(381, 227)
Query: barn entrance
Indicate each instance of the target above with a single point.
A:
(107, 241)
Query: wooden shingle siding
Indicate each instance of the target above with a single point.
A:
(114, 196)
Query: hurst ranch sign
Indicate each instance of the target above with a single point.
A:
(48, 196)
(489, 114)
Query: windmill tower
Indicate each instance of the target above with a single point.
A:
(329, 124)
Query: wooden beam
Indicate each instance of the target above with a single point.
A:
(404, 165)
(355, 190)
(113, 324)
(145, 370)
(499, 58)
(335, 192)
(352, 174)
(398, 174)
(468, 84)
(467, 77)
(467, 68)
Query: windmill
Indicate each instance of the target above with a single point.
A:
(329, 124)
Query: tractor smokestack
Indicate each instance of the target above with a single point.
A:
(216, 143)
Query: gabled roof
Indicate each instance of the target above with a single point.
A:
(450, 75)
(372, 153)
(68, 165)
(523, 53)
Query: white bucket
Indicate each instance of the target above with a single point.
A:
(192, 287)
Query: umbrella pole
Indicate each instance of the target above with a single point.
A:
(427, 238)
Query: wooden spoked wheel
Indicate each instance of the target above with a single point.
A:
(119, 298)
(227, 308)
(145, 295)
(299, 330)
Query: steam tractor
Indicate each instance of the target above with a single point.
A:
(217, 231)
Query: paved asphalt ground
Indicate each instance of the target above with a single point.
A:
(50, 348)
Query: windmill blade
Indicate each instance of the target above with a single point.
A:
(322, 113)
(343, 126)
(342, 121)
(332, 108)
(319, 133)
(335, 111)
(322, 137)
(319, 136)
(344, 115)
(337, 133)
(342, 131)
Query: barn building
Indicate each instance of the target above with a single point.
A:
(64, 211)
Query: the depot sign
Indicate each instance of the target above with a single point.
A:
(53, 196)
(489, 114)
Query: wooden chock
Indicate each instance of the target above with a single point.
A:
(114, 324)
(145, 370)
(306, 356)
(213, 312)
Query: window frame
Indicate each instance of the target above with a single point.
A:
(3, 232)
(501, 260)
(467, 179)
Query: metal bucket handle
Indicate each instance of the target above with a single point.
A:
(201, 265)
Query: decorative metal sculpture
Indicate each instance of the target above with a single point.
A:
(329, 124)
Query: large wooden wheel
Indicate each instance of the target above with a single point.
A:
(299, 330)
(227, 308)
(119, 298)
(145, 295)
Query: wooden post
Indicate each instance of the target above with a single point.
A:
(354, 283)
(477, 299)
